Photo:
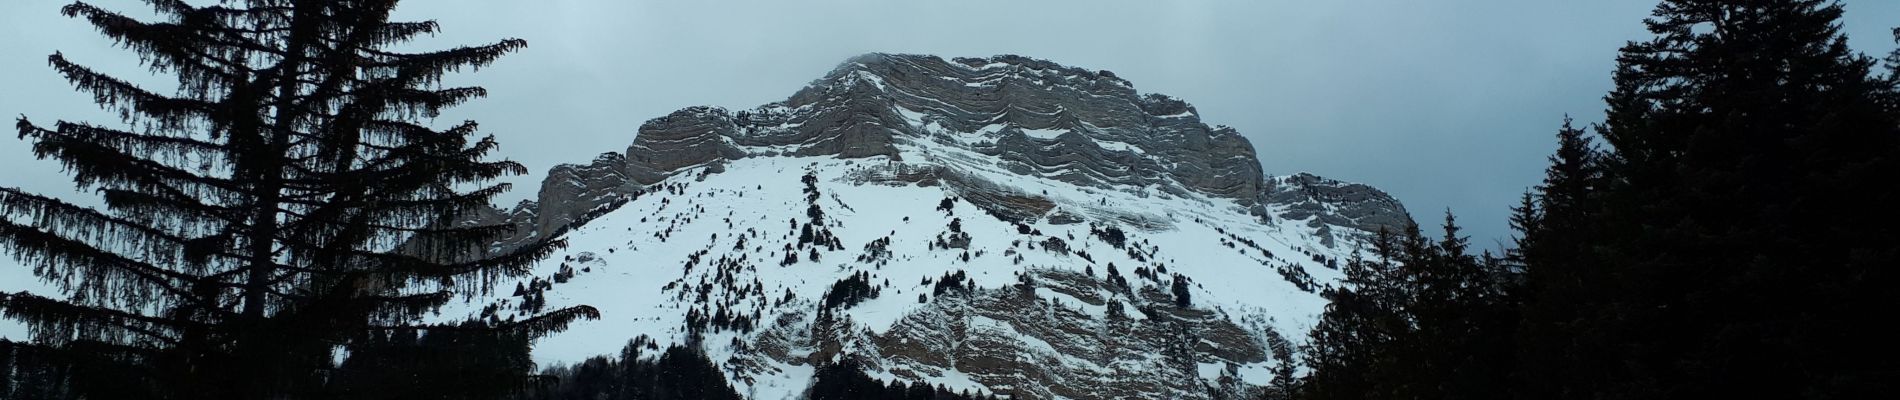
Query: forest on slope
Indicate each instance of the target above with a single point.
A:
(1723, 234)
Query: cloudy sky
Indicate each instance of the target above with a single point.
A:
(1445, 103)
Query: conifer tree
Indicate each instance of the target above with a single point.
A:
(1466, 317)
(1351, 348)
(1427, 320)
(1731, 243)
(1556, 231)
(285, 198)
(1735, 242)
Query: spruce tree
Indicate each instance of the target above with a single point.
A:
(286, 198)
(1466, 317)
(1750, 155)
(1731, 243)
(1556, 232)
(1352, 348)
(1428, 320)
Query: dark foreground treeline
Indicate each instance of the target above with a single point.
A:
(1727, 232)
(682, 373)
(677, 373)
(443, 365)
(847, 381)
(456, 362)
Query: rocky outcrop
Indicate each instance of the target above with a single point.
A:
(573, 190)
(1078, 126)
(1330, 202)
(686, 138)
(569, 194)
(1038, 118)
(1082, 167)
(850, 118)
(1062, 334)
(1056, 334)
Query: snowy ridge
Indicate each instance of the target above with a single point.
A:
(1070, 241)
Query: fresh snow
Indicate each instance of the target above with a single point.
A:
(633, 262)
(636, 255)
(1045, 134)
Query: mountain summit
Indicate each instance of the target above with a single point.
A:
(1002, 225)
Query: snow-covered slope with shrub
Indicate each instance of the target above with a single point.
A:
(1003, 225)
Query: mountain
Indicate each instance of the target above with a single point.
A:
(1000, 225)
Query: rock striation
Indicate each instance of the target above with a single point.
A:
(1039, 118)
(1035, 230)
(1324, 201)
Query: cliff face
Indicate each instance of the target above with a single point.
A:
(1002, 224)
(685, 138)
(1037, 117)
(1080, 126)
(1330, 202)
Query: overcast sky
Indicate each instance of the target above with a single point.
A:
(1444, 103)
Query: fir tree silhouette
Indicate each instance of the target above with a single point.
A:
(286, 199)
(1736, 242)
(1729, 242)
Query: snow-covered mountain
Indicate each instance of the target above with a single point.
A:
(1003, 224)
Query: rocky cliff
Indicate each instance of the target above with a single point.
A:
(1070, 124)
(1003, 224)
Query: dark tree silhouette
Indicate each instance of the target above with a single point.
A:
(285, 199)
(1355, 339)
(1749, 155)
(1179, 288)
(1556, 227)
(467, 363)
(847, 381)
(1730, 242)
(678, 373)
(1424, 320)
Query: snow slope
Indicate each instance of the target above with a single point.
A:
(637, 256)
(1038, 230)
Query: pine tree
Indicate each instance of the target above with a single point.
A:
(1179, 287)
(1427, 320)
(1735, 242)
(1556, 228)
(1466, 319)
(285, 200)
(1727, 236)
(1282, 385)
(1351, 349)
